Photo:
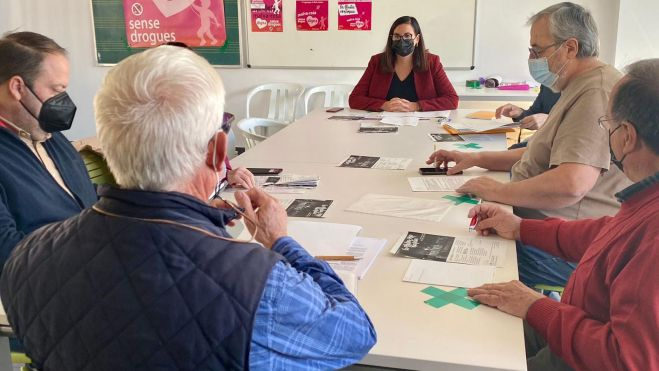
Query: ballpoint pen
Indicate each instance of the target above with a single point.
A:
(474, 219)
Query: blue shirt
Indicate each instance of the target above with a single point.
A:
(307, 319)
(543, 103)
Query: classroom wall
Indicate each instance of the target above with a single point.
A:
(501, 42)
(638, 32)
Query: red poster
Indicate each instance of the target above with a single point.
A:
(311, 15)
(194, 22)
(355, 15)
(266, 16)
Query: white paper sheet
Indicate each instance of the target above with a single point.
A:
(425, 114)
(367, 249)
(478, 250)
(323, 238)
(392, 163)
(448, 274)
(442, 183)
(402, 207)
(400, 121)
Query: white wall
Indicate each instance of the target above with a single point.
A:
(638, 31)
(501, 42)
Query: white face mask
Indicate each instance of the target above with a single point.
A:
(539, 69)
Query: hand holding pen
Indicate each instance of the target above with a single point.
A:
(474, 219)
(493, 219)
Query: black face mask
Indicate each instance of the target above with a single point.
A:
(403, 47)
(614, 160)
(56, 113)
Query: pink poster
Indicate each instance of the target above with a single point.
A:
(355, 15)
(266, 16)
(311, 15)
(197, 23)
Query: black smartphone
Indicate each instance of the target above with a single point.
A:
(264, 170)
(334, 109)
(434, 171)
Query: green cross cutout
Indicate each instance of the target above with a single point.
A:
(469, 145)
(441, 298)
(464, 199)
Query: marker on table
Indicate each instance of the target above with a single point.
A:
(337, 257)
(474, 219)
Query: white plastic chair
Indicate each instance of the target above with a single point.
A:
(282, 101)
(256, 129)
(336, 95)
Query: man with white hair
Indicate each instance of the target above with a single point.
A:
(565, 170)
(149, 278)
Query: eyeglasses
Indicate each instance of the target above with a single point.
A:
(536, 52)
(406, 36)
(227, 119)
(604, 122)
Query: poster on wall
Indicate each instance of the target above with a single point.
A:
(355, 15)
(311, 15)
(197, 23)
(266, 15)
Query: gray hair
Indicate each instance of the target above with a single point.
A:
(568, 20)
(637, 100)
(155, 114)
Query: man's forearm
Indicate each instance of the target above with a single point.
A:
(554, 189)
(499, 160)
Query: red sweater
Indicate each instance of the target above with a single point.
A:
(608, 318)
(433, 88)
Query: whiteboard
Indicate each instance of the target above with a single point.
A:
(447, 25)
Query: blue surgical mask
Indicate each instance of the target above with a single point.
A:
(539, 69)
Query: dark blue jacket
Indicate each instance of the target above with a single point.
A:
(108, 291)
(543, 103)
(29, 196)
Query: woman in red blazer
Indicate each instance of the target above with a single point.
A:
(405, 77)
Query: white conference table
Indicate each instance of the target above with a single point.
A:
(411, 334)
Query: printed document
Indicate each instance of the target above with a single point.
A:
(448, 274)
(464, 250)
(440, 183)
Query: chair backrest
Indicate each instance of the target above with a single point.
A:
(256, 129)
(97, 167)
(336, 95)
(282, 101)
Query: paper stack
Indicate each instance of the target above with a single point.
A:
(290, 181)
(338, 239)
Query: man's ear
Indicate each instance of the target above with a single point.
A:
(632, 140)
(15, 86)
(572, 46)
(217, 149)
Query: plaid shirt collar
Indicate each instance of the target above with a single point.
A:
(628, 192)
